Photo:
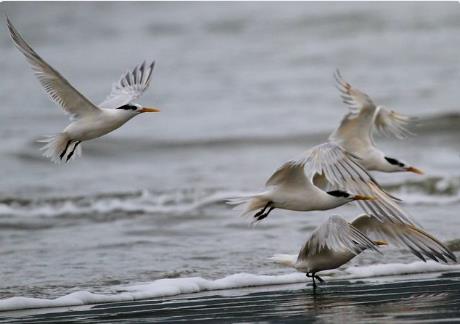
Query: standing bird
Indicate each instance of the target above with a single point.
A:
(355, 132)
(88, 121)
(323, 178)
(336, 242)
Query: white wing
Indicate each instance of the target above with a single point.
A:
(336, 234)
(290, 174)
(131, 86)
(391, 123)
(354, 98)
(419, 242)
(358, 124)
(364, 115)
(342, 170)
(58, 88)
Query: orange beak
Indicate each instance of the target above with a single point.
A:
(361, 197)
(145, 109)
(414, 170)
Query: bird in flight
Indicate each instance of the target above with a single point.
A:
(322, 178)
(88, 121)
(335, 242)
(355, 132)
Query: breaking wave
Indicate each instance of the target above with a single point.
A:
(429, 190)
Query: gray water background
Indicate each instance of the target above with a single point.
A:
(242, 87)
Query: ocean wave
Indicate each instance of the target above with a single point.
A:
(178, 286)
(175, 202)
(429, 190)
(435, 190)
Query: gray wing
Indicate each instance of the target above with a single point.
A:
(59, 89)
(342, 170)
(130, 87)
(336, 234)
(420, 243)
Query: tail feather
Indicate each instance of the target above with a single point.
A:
(248, 204)
(287, 260)
(60, 148)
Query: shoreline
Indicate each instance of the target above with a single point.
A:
(434, 296)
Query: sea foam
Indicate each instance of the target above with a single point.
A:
(178, 286)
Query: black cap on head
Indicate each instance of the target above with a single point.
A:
(394, 161)
(339, 193)
(128, 107)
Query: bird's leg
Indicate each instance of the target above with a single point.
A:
(312, 276)
(319, 278)
(71, 153)
(266, 214)
(260, 212)
(65, 150)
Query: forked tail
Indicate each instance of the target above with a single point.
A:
(60, 148)
(287, 260)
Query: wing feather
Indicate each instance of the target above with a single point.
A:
(290, 174)
(57, 87)
(336, 234)
(419, 242)
(130, 87)
(365, 116)
(342, 170)
(391, 123)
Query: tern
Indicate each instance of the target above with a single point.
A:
(355, 132)
(88, 121)
(303, 184)
(336, 242)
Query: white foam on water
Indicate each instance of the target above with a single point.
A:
(178, 286)
(380, 270)
(158, 288)
(147, 202)
(172, 202)
(419, 198)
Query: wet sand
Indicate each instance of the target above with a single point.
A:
(422, 298)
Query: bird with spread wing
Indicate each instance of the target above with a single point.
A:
(356, 130)
(336, 242)
(323, 178)
(88, 121)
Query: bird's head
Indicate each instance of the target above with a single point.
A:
(347, 197)
(394, 165)
(136, 109)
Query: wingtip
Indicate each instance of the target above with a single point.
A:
(8, 23)
(337, 75)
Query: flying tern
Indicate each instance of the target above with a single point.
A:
(88, 121)
(323, 178)
(355, 132)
